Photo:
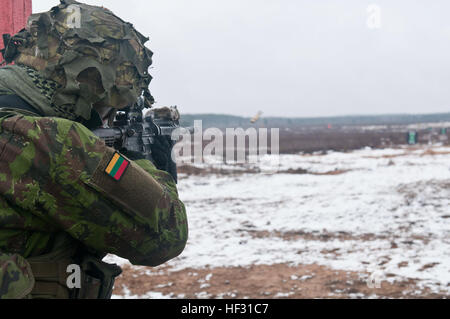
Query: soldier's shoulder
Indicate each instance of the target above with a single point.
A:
(55, 129)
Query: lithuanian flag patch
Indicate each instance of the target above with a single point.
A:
(117, 166)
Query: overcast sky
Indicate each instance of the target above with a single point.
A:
(294, 57)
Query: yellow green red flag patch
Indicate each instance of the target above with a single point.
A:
(117, 166)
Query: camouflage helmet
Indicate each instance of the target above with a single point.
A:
(74, 39)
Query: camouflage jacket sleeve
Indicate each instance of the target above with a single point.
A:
(55, 169)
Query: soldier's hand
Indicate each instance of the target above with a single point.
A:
(165, 113)
(162, 146)
(162, 155)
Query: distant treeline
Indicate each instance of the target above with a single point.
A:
(223, 121)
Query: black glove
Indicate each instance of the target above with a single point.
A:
(162, 155)
(132, 155)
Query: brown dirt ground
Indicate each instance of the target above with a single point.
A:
(326, 236)
(427, 152)
(263, 281)
(192, 170)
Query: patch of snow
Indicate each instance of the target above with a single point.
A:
(390, 206)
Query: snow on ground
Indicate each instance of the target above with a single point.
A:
(384, 211)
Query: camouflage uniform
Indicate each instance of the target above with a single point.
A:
(58, 206)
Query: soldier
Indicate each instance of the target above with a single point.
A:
(65, 197)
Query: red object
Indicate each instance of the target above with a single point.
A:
(13, 16)
(121, 170)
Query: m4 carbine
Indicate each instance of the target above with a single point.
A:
(132, 132)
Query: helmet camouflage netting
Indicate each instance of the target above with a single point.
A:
(74, 37)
